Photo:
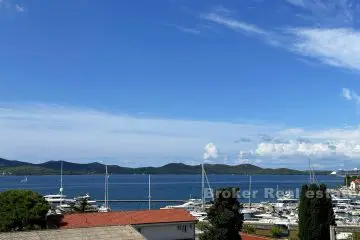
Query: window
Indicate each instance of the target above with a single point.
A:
(182, 228)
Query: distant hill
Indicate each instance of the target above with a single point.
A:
(10, 167)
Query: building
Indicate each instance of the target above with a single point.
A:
(355, 185)
(102, 233)
(164, 224)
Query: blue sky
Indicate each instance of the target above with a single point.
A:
(142, 83)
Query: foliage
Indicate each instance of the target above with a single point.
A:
(202, 226)
(355, 236)
(294, 235)
(21, 210)
(224, 216)
(249, 229)
(82, 206)
(276, 231)
(315, 212)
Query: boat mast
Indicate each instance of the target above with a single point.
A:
(106, 186)
(149, 192)
(202, 186)
(250, 192)
(61, 182)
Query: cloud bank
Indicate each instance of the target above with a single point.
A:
(327, 35)
(49, 132)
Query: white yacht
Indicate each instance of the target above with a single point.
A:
(59, 200)
(286, 202)
(190, 205)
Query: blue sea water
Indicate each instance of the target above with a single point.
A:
(164, 187)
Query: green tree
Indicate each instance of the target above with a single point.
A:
(22, 209)
(83, 205)
(224, 216)
(348, 179)
(315, 213)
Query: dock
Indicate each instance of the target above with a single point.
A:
(142, 200)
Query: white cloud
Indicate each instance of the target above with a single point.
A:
(10, 5)
(350, 95)
(336, 47)
(234, 24)
(210, 151)
(20, 8)
(194, 31)
(43, 132)
(330, 38)
(295, 148)
(346, 93)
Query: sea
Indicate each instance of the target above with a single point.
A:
(164, 187)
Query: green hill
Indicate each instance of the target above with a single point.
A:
(53, 167)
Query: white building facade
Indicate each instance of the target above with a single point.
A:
(167, 231)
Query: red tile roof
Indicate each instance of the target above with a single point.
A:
(357, 181)
(80, 220)
(252, 237)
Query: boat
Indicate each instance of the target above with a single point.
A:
(105, 207)
(200, 216)
(194, 205)
(191, 205)
(85, 197)
(286, 202)
(59, 200)
(24, 180)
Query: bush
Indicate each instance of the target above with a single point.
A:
(355, 236)
(276, 231)
(202, 226)
(22, 210)
(249, 229)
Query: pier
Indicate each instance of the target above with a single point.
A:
(143, 200)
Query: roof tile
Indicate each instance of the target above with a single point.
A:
(126, 218)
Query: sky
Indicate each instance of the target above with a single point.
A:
(145, 83)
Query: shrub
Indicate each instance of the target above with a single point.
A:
(276, 231)
(249, 229)
(202, 226)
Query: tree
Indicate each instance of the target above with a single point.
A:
(315, 213)
(83, 205)
(348, 179)
(22, 209)
(224, 216)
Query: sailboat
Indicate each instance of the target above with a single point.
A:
(249, 210)
(24, 180)
(105, 207)
(196, 207)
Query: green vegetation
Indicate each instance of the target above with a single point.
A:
(249, 229)
(22, 210)
(277, 231)
(202, 226)
(294, 235)
(355, 236)
(53, 167)
(29, 170)
(224, 216)
(315, 212)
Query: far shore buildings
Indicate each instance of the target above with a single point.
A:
(164, 224)
(355, 185)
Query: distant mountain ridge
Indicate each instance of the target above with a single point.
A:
(53, 168)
